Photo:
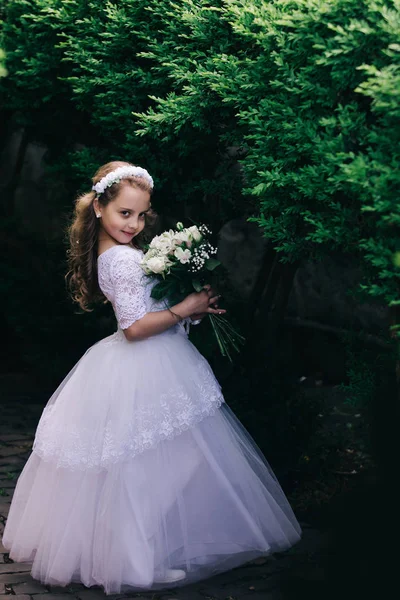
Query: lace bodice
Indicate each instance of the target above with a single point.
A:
(125, 285)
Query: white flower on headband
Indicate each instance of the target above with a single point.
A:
(121, 173)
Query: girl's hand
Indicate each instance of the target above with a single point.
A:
(199, 316)
(201, 303)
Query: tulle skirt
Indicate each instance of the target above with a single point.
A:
(139, 466)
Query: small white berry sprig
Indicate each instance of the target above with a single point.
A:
(200, 256)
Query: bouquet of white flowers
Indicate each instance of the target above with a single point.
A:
(182, 261)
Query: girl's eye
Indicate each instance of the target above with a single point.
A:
(125, 213)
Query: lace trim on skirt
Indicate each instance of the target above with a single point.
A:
(76, 447)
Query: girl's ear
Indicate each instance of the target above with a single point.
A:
(96, 206)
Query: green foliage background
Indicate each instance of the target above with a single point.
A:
(304, 94)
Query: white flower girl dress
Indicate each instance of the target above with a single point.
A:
(138, 465)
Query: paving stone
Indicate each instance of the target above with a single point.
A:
(275, 595)
(26, 445)
(2, 549)
(58, 589)
(8, 451)
(261, 561)
(50, 596)
(238, 588)
(154, 597)
(21, 597)
(243, 577)
(2, 588)
(12, 461)
(7, 483)
(14, 437)
(15, 568)
(9, 469)
(11, 578)
(4, 509)
(188, 594)
(91, 594)
(73, 587)
(311, 540)
(309, 572)
(31, 587)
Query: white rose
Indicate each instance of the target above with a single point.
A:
(154, 242)
(182, 237)
(194, 230)
(161, 244)
(163, 238)
(150, 253)
(183, 255)
(167, 241)
(156, 264)
(165, 246)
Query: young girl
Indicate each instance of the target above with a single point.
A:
(140, 477)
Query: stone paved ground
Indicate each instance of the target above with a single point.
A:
(292, 574)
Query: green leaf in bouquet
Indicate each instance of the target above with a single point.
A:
(162, 289)
(182, 288)
(197, 285)
(157, 294)
(211, 264)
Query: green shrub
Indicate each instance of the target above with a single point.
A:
(304, 93)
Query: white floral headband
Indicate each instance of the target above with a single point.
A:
(120, 173)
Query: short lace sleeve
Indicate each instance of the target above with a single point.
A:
(127, 279)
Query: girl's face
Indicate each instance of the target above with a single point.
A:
(124, 217)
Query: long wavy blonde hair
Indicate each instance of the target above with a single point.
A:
(83, 234)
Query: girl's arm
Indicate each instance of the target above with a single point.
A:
(156, 322)
(129, 300)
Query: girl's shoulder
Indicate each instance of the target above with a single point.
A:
(120, 250)
(119, 261)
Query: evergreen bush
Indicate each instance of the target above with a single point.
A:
(286, 109)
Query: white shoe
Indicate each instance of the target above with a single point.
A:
(170, 576)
